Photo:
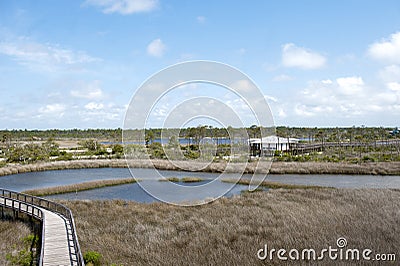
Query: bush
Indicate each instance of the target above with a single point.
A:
(156, 151)
(23, 258)
(92, 257)
(367, 158)
(117, 149)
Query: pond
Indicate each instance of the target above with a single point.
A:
(134, 192)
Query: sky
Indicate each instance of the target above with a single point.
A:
(77, 64)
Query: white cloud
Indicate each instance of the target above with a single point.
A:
(281, 78)
(89, 91)
(281, 113)
(43, 56)
(156, 48)
(94, 106)
(350, 85)
(387, 50)
(270, 98)
(201, 19)
(346, 97)
(326, 81)
(302, 110)
(242, 85)
(56, 109)
(390, 73)
(99, 115)
(394, 86)
(294, 56)
(124, 7)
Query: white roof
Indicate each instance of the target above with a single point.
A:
(273, 140)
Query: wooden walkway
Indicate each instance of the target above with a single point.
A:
(56, 246)
(59, 243)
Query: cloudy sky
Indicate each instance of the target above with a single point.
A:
(77, 64)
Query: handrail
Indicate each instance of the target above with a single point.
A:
(23, 207)
(39, 215)
(51, 206)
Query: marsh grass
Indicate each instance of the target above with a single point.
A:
(187, 179)
(191, 179)
(170, 179)
(12, 235)
(79, 187)
(230, 231)
(271, 185)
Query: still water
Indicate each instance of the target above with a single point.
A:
(34, 180)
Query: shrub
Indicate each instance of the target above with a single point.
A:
(23, 258)
(92, 257)
(367, 158)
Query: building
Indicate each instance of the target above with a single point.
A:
(267, 146)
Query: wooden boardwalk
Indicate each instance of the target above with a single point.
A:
(58, 244)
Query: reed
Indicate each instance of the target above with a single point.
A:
(230, 231)
(187, 179)
(79, 187)
(272, 185)
(191, 179)
(170, 179)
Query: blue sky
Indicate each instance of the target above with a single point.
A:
(76, 64)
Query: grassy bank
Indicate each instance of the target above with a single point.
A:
(187, 179)
(272, 185)
(170, 179)
(191, 179)
(231, 231)
(377, 168)
(79, 187)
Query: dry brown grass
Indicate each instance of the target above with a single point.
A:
(79, 187)
(170, 179)
(186, 179)
(379, 168)
(270, 184)
(191, 179)
(12, 235)
(231, 231)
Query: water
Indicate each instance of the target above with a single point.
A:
(136, 193)
(35, 180)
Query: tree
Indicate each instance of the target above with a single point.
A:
(149, 137)
(90, 144)
(117, 149)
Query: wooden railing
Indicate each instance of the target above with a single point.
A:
(32, 205)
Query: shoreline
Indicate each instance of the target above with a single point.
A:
(378, 168)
